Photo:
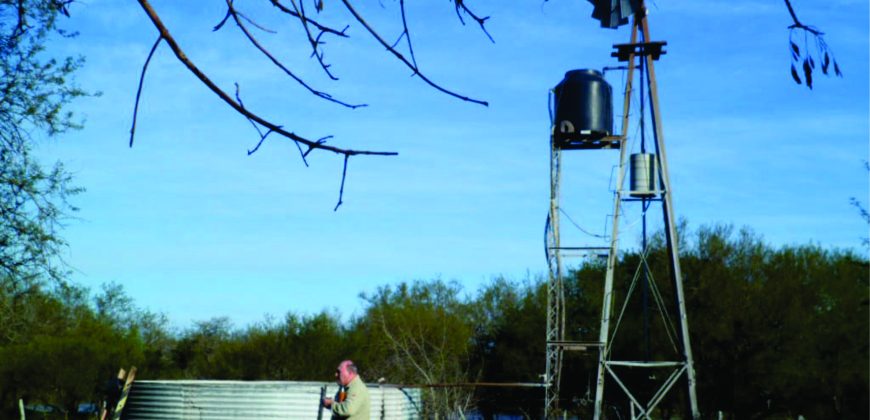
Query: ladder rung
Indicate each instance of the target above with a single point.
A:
(641, 199)
(644, 364)
(574, 345)
(655, 192)
(590, 255)
(578, 142)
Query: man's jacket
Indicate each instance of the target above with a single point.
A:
(356, 405)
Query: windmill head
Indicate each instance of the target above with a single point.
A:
(614, 13)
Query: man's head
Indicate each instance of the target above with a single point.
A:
(345, 372)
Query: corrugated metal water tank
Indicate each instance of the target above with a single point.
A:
(220, 400)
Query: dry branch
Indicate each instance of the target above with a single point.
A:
(296, 10)
(402, 58)
(319, 27)
(315, 42)
(256, 120)
(460, 5)
(232, 12)
(139, 91)
(182, 57)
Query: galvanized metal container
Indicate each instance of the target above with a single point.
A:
(225, 400)
(644, 175)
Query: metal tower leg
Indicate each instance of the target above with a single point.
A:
(686, 364)
(555, 291)
(607, 299)
(670, 229)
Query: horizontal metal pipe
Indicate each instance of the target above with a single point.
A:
(476, 385)
(645, 364)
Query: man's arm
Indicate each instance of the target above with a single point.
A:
(350, 405)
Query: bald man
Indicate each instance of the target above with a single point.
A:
(352, 399)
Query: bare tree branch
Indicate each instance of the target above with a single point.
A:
(231, 11)
(460, 4)
(21, 23)
(797, 22)
(319, 141)
(406, 33)
(257, 25)
(314, 42)
(403, 347)
(242, 15)
(402, 58)
(341, 190)
(319, 27)
(139, 91)
(257, 127)
(182, 57)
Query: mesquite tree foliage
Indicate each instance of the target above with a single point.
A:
(34, 91)
(801, 34)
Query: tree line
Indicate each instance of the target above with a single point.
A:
(776, 332)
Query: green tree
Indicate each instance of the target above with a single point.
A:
(855, 202)
(66, 354)
(113, 307)
(777, 332)
(421, 333)
(300, 348)
(34, 91)
(46, 325)
(199, 348)
(510, 318)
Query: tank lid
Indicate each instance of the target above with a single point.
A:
(579, 72)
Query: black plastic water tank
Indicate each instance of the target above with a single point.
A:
(584, 107)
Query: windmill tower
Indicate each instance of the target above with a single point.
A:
(583, 122)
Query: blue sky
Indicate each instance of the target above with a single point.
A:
(195, 228)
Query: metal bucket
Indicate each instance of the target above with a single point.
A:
(644, 176)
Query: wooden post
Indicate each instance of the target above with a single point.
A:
(104, 412)
(320, 402)
(122, 401)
